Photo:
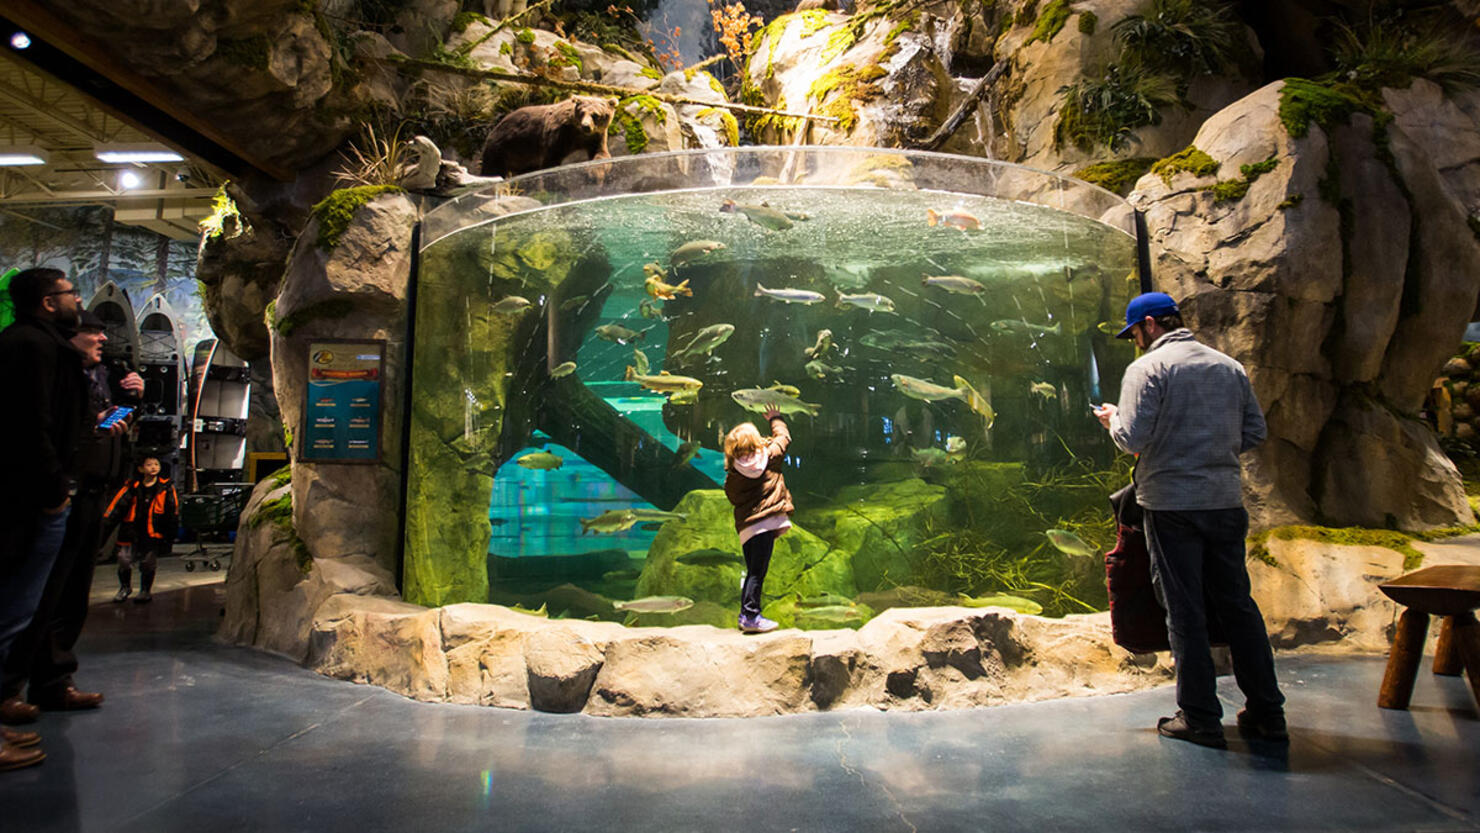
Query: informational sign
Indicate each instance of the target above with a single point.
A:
(341, 419)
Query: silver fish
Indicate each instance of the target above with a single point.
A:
(640, 362)
(954, 283)
(656, 604)
(706, 340)
(760, 401)
(618, 334)
(762, 215)
(931, 392)
(1016, 603)
(711, 558)
(693, 250)
(1068, 543)
(821, 370)
(1019, 326)
(562, 370)
(871, 301)
(512, 305)
(541, 460)
(790, 296)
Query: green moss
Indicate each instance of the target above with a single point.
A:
(331, 309)
(1052, 19)
(1350, 536)
(839, 42)
(1088, 22)
(813, 21)
(567, 56)
(1117, 175)
(506, 48)
(906, 25)
(1303, 101)
(1188, 159)
(462, 20)
(630, 123)
(1028, 13)
(649, 72)
(1232, 190)
(288, 444)
(253, 52)
(525, 35)
(847, 84)
(335, 211)
(284, 475)
(1290, 202)
(727, 119)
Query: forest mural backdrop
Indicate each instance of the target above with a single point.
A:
(85, 243)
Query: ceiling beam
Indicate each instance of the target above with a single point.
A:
(50, 111)
(34, 198)
(144, 103)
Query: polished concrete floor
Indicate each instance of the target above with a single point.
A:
(196, 736)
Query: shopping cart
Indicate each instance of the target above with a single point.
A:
(212, 515)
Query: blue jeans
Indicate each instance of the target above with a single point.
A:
(30, 544)
(1197, 557)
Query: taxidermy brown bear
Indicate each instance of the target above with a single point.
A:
(542, 135)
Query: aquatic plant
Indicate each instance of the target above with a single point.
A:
(1104, 110)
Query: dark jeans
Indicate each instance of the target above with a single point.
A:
(43, 653)
(1197, 556)
(29, 542)
(144, 552)
(757, 560)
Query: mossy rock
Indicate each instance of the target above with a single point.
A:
(1188, 160)
(880, 524)
(335, 212)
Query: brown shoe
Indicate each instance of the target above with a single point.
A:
(14, 758)
(16, 711)
(68, 699)
(20, 740)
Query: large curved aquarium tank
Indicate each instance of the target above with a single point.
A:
(934, 329)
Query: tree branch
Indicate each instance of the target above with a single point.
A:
(965, 109)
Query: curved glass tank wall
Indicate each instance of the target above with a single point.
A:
(934, 328)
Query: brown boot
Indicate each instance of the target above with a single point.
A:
(66, 699)
(20, 740)
(12, 757)
(15, 711)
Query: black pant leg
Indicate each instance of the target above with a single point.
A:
(757, 560)
(55, 661)
(1177, 544)
(1228, 591)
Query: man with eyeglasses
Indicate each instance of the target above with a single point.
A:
(41, 423)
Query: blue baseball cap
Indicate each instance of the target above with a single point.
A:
(1154, 304)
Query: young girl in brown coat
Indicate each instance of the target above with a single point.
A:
(756, 488)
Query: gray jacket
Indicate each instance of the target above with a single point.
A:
(1189, 411)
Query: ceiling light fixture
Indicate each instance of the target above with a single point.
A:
(20, 40)
(128, 180)
(11, 155)
(122, 154)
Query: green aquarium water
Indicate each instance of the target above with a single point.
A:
(934, 329)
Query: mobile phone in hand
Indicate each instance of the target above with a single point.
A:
(115, 416)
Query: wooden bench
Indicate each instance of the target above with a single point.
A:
(1451, 591)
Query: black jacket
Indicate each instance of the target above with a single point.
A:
(44, 412)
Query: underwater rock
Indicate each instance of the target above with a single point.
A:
(880, 525)
(801, 562)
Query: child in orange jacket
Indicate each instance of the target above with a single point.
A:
(146, 507)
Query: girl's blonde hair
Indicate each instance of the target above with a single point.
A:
(743, 439)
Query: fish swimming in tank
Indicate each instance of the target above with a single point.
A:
(663, 382)
(823, 600)
(693, 250)
(956, 219)
(1043, 389)
(762, 215)
(955, 445)
(931, 392)
(610, 521)
(562, 370)
(789, 390)
(1015, 325)
(541, 461)
(684, 397)
(832, 614)
(512, 305)
(657, 515)
(704, 341)
(647, 309)
(1068, 543)
(656, 604)
(571, 303)
(818, 369)
(618, 334)
(711, 557)
(1015, 603)
(666, 291)
(686, 452)
(821, 346)
(954, 283)
(640, 361)
(870, 301)
(790, 296)
(759, 400)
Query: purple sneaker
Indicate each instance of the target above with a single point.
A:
(757, 624)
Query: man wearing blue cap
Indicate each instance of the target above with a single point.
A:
(1188, 411)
